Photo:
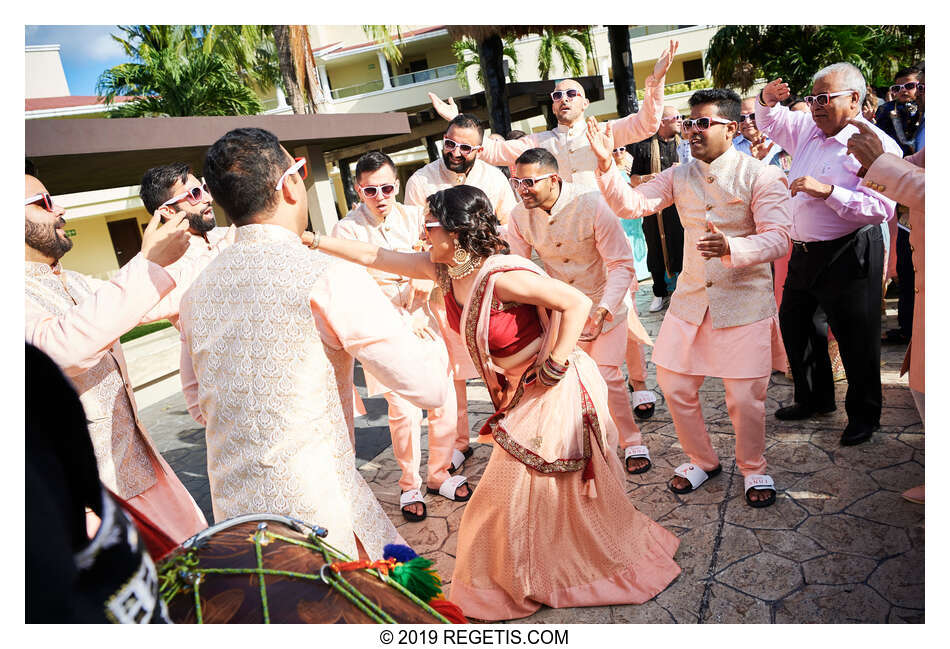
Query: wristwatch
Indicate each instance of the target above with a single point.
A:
(316, 241)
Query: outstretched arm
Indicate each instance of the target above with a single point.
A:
(530, 288)
(408, 264)
(641, 125)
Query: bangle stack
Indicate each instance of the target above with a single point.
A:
(551, 372)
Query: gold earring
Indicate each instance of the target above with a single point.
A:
(461, 255)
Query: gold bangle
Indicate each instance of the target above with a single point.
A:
(761, 101)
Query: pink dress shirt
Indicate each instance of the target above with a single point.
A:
(435, 176)
(576, 161)
(77, 321)
(719, 305)
(851, 205)
(580, 243)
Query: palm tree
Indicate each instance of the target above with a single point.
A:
(167, 86)
(572, 61)
(621, 61)
(738, 55)
(249, 48)
(297, 67)
(466, 55)
(383, 34)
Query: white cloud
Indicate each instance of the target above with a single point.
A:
(91, 43)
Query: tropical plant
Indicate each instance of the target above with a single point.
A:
(165, 85)
(573, 62)
(738, 55)
(297, 71)
(383, 34)
(466, 55)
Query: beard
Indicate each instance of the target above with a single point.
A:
(44, 238)
(462, 167)
(198, 223)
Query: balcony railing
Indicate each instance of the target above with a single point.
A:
(422, 76)
(431, 74)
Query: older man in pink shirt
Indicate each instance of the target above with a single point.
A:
(460, 164)
(580, 242)
(722, 317)
(269, 333)
(837, 254)
(379, 219)
(77, 321)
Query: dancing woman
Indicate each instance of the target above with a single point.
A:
(550, 522)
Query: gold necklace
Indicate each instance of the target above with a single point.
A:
(466, 268)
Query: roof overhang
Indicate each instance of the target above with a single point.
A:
(90, 154)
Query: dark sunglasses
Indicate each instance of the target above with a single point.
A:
(910, 85)
(557, 95)
(46, 200)
(747, 116)
(370, 191)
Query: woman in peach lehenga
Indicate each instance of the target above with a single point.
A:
(550, 522)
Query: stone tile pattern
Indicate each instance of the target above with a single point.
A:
(839, 545)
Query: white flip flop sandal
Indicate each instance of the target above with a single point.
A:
(448, 488)
(637, 452)
(762, 482)
(412, 497)
(694, 474)
(641, 397)
(459, 457)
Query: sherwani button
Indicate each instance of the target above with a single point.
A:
(558, 245)
(709, 207)
(710, 179)
(708, 284)
(916, 290)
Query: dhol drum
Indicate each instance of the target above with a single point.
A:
(264, 568)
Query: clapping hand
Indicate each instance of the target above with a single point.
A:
(775, 91)
(713, 243)
(864, 145)
(666, 59)
(601, 138)
(447, 110)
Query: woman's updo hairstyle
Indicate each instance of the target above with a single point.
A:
(467, 212)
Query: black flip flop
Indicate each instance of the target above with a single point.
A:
(760, 503)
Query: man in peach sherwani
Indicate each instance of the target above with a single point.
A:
(460, 164)
(568, 141)
(269, 331)
(579, 241)
(380, 220)
(901, 180)
(722, 318)
(172, 189)
(77, 321)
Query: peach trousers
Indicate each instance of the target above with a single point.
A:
(745, 401)
(405, 429)
(608, 351)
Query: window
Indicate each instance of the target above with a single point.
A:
(693, 69)
(637, 31)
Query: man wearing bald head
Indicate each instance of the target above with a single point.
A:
(568, 141)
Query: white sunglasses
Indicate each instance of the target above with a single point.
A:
(294, 168)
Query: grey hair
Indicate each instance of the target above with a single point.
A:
(852, 77)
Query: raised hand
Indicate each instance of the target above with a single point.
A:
(760, 146)
(601, 138)
(865, 144)
(165, 244)
(775, 91)
(713, 243)
(447, 110)
(666, 59)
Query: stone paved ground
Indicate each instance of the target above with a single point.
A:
(839, 545)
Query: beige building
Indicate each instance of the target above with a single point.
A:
(356, 78)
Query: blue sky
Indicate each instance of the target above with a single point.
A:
(86, 51)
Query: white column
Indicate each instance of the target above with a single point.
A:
(324, 82)
(384, 70)
(605, 69)
(281, 99)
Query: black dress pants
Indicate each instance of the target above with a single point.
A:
(673, 230)
(905, 279)
(843, 277)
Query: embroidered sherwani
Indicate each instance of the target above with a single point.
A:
(77, 321)
(722, 319)
(401, 231)
(269, 330)
(582, 244)
(576, 161)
